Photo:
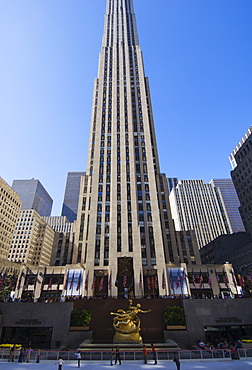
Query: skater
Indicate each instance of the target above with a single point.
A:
(112, 356)
(118, 355)
(145, 352)
(78, 354)
(154, 351)
(60, 362)
(176, 360)
(38, 356)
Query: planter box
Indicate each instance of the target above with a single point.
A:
(176, 327)
(74, 328)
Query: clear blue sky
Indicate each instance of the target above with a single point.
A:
(197, 55)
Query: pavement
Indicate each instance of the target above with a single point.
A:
(245, 364)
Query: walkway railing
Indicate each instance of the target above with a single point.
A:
(131, 355)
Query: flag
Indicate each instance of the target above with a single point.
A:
(116, 280)
(58, 284)
(72, 282)
(225, 279)
(11, 281)
(156, 282)
(209, 280)
(218, 279)
(125, 279)
(200, 281)
(66, 282)
(182, 279)
(101, 283)
(193, 279)
(241, 280)
(171, 282)
(163, 281)
(148, 283)
(26, 284)
(140, 282)
(93, 284)
(79, 283)
(86, 282)
(49, 286)
(178, 281)
(109, 282)
(2, 280)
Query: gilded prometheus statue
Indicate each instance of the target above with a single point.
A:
(127, 323)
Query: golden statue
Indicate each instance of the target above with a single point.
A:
(127, 324)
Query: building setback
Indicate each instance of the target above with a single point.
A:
(33, 196)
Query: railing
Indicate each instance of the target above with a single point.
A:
(131, 355)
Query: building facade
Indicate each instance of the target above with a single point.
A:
(241, 161)
(232, 203)
(33, 196)
(199, 206)
(71, 197)
(10, 204)
(33, 240)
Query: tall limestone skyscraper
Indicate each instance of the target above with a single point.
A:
(125, 234)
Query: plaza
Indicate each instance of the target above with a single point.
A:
(138, 365)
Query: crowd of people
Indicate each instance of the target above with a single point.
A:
(223, 344)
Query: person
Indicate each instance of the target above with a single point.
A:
(29, 351)
(154, 351)
(12, 352)
(24, 354)
(145, 352)
(78, 355)
(176, 360)
(60, 362)
(112, 356)
(38, 356)
(117, 357)
(20, 358)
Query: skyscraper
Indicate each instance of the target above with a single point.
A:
(124, 228)
(71, 198)
(199, 206)
(231, 201)
(241, 161)
(33, 196)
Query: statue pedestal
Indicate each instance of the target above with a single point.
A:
(127, 338)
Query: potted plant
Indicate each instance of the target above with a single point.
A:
(174, 318)
(80, 319)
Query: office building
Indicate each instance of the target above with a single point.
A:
(10, 205)
(71, 197)
(33, 196)
(33, 240)
(234, 248)
(124, 229)
(241, 161)
(199, 206)
(63, 242)
(231, 201)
